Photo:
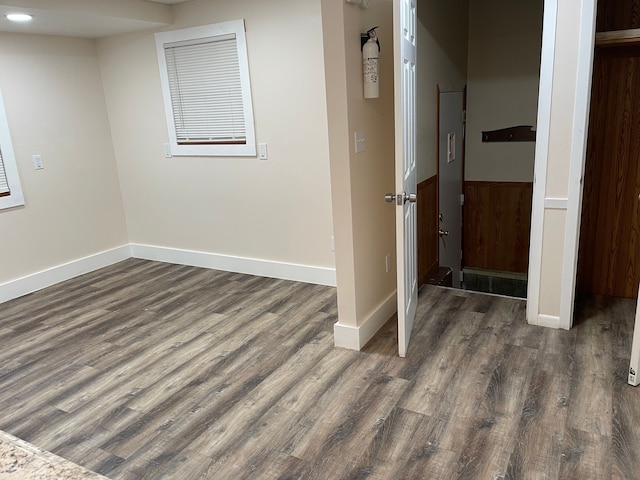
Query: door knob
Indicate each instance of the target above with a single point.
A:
(401, 198)
(409, 197)
(443, 233)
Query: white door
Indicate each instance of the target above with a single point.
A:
(450, 181)
(404, 21)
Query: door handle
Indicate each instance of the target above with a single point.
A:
(443, 233)
(401, 198)
(409, 197)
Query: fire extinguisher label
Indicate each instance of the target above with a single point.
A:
(370, 67)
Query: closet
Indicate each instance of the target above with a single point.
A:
(609, 258)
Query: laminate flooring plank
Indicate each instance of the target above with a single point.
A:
(585, 455)
(321, 415)
(27, 346)
(590, 404)
(240, 418)
(622, 312)
(439, 368)
(391, 448)
(538, 449)
(191, 370)
(168, 371)
(625, 436)
(209, 410)
(493, 430)
(594, 342)
(358, 431)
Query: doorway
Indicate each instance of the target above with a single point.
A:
(450, 179)
(501, 78)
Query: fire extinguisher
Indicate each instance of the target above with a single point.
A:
(370, 54)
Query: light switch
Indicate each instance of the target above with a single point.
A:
(262, 151)
(359, 141)
(37, 162)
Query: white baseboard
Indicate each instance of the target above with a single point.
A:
(354, 338)
(551, 321)
(264, 268)
(45, 278)
(228, 263)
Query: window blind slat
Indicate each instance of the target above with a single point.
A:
(206, 91)
(4, 183)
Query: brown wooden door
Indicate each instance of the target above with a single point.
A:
(608, 261)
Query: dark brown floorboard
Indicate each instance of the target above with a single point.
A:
(146, 370)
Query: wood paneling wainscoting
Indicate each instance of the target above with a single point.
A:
(497, 224)
(427, 228)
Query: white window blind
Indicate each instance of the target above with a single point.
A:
(10, 189)
(206, 93)
(204, 73)
(4, 183)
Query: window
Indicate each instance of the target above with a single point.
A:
(204, 73)
(10, 190)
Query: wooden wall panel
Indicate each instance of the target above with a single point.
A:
(427, 227)
(618, 15)
(497, 224)
(608, 260)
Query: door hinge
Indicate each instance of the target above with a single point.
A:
(461, 276)
(462, 199)
(464, 116)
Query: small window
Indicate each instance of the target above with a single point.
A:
(10, 189)
(207, 96)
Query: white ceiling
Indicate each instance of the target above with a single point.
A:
(87, 18)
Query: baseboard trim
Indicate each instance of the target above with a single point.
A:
(46, 278)
(355, 338)
(551, 321)
(229, 263)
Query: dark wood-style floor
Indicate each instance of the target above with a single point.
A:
(150, 370)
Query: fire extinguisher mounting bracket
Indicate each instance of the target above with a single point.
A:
(364, 37)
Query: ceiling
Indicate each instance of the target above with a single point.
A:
(87, 18)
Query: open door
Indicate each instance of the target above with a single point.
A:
(450, 173)
(404, 21)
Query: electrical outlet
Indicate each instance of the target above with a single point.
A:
(358, 138)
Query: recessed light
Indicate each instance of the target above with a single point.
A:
(19, 17)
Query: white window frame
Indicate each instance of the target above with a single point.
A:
(15, 197)
(195, 33)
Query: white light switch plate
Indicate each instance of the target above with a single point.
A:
(37, 162)
(262, 151)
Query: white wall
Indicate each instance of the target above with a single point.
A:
(442, 60)
(503, 76)
(55, 107)
(277, 210)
